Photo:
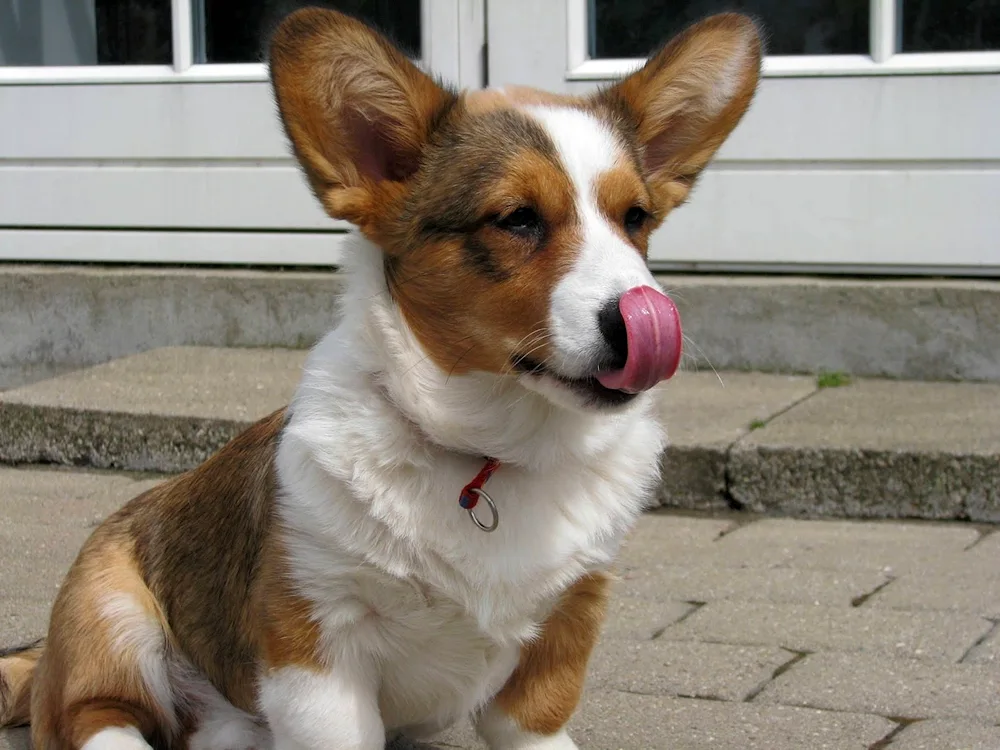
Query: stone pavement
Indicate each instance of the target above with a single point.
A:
(765, 443)
(727, 631)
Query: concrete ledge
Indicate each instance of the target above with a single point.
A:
(766, 443)
(912, 330)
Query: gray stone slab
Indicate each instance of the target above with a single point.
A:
(61, 496)
(633, 618)
(987, 652)
(668, 536)
(670, 539)
(892, 548)
(940, 734)
(691, 670)
(705, 413)
(166, 410)
(972, 591)
(779, 585)
(941, 636)
(623, 721)
(237, 385)
(877, 449)
(869, 683)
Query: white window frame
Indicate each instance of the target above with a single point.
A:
(883, 60)
(446, 31)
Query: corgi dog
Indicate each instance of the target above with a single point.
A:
(424, 534)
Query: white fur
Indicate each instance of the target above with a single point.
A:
(116, 738)
(501, 731)
(378, 445)
(310, 711)
(137, 636)
(606, 265)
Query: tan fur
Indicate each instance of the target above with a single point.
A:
(16, 669)
(618, 190)
(289, 634)
(545, 689)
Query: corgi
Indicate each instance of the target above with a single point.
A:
(424, 534)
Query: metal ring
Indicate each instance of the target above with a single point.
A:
(492, 526)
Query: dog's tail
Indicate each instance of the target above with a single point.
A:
(17, 669)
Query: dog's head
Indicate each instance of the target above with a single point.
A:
(515, 223)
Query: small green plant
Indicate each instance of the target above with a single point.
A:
(833, 379)
(757, 424)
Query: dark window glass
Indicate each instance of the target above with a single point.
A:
(72, 32)
(950, 25)
(236, 31)
(794, 27)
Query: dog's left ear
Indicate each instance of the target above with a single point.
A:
(686, 100)
(357, 111)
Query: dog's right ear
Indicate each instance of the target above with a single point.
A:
(357, 111)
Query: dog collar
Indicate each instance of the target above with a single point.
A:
(473, 491)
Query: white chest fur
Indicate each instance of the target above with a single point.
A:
(378, 446)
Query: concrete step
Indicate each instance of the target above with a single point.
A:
(930, 329)
(767, 443)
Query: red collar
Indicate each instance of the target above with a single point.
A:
(468, 498)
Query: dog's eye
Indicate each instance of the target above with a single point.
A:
(635, 217)
(521, 220)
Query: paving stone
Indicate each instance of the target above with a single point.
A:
(663, 536)
(947, 735)
(240, 385)
(621, 721)
(787, 585)
(877, 449)
(893, 548)
(798, 627)
(692, 670)
(683, 541)
(973, 591)
(60, 496)
(870, 683)
(639, 619)
(987, 652)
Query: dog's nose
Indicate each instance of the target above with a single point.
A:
(612, 327)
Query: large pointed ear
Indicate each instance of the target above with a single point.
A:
(357, 111)
(686, 100)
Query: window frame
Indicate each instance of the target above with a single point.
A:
(884, 58)
(445, 49)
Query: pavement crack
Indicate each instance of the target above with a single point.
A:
(695, 606)
(797, 656)
(901, 724)
(859, 600)
(981, 640)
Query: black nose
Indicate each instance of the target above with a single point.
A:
(612, 326)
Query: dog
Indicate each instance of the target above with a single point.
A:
(424, 534)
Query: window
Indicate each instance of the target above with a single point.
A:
(99, 32)
(794, 27)
(235, 31)
(805, 37)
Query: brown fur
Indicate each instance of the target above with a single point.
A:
(545, 689)
(16, 668)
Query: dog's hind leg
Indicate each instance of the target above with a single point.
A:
(103, 681)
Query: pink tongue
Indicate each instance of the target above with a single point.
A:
(653, 329)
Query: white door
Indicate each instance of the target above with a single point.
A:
(145, 130)
(873, 145)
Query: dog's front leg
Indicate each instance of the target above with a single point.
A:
(536, 703)
(335, 709)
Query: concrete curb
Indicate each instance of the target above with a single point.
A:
(764, 443)
(805, 482)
